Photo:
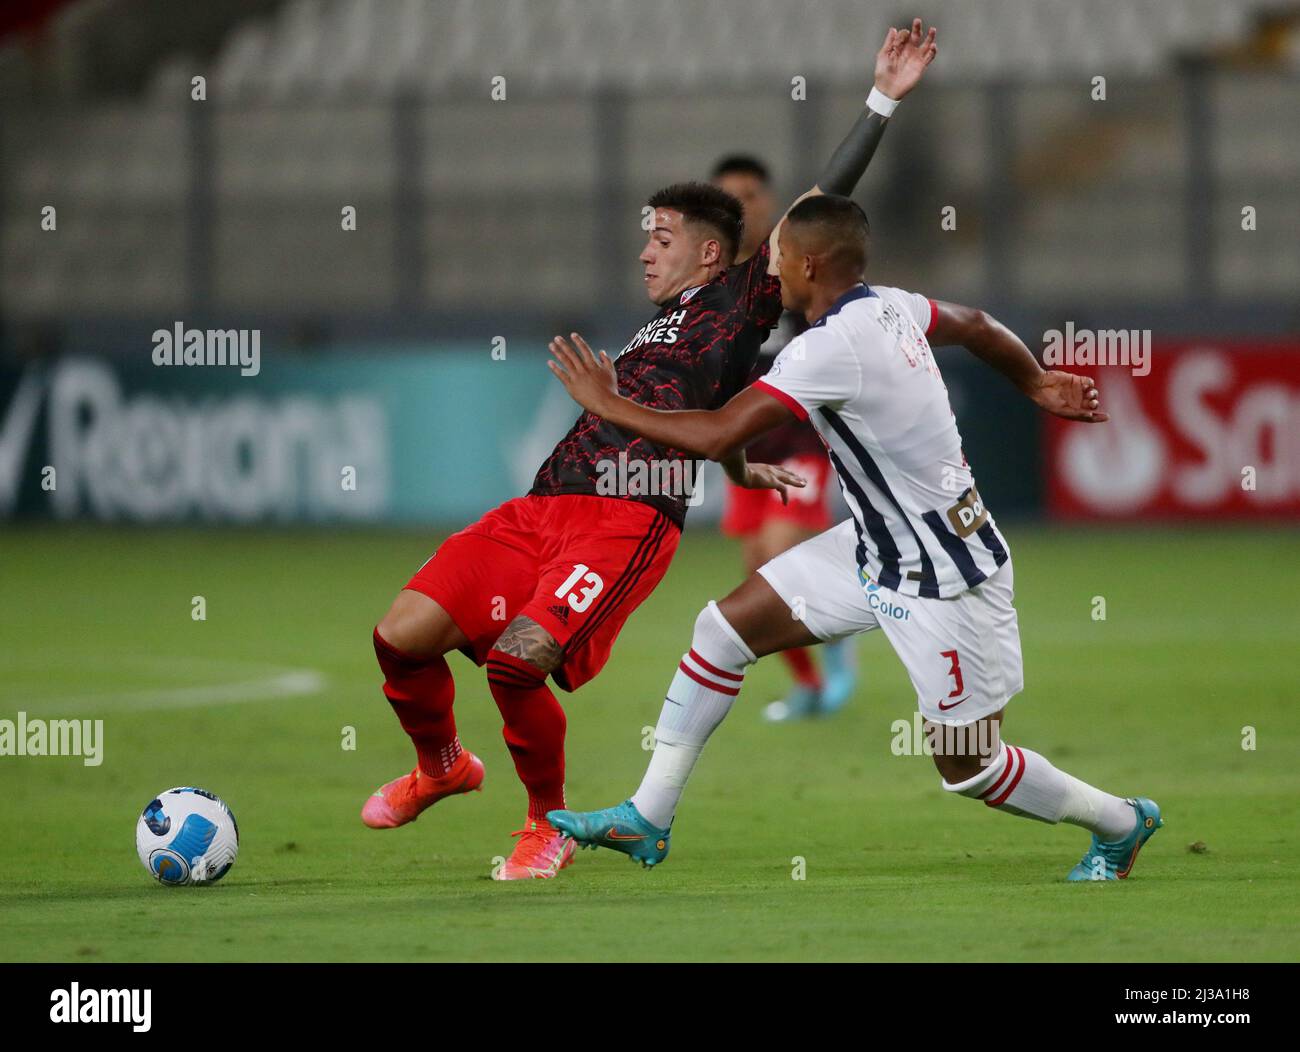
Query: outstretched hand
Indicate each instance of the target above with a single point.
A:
(590, 381)
(772, 476)
(1068, 395)
(903, 59)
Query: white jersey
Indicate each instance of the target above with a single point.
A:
(865, 377)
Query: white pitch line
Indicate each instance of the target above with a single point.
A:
(283, 683)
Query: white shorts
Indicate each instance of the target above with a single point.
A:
(962, 653)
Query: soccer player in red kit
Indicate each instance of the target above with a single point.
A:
(541, 586)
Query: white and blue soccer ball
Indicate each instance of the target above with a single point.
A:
(187, 836)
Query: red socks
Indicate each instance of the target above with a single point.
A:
(534, 729)
(421, 692)
(802, 668)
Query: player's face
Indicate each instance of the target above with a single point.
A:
(756, 198)
(677, 256)
(790, 269)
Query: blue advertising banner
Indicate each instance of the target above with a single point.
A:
(372, 434)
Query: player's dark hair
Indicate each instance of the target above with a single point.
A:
(836, 226)
(706, 204)
(742, 164)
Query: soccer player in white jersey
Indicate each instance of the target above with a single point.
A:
(921, 558)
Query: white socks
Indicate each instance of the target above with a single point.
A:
(707, 682)
(1021, 782)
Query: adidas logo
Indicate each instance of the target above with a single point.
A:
(561, 612)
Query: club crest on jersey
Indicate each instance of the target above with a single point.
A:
(688, 295)
(661, 330)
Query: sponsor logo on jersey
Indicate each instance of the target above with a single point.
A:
(663, 329)
(968, 514)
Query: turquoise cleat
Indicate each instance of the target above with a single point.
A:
(800, 704)
(1114, 861)
(621, 828)
(839, 667)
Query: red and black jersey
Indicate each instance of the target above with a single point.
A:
(696, 353)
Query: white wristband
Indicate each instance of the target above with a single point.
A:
(881, 103)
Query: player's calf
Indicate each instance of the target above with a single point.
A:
(533, 721)
(708, 680)
(419, 686)
(421, 691)
(1019, 781)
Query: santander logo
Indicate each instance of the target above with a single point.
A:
(1116, 466)
(1210, 432)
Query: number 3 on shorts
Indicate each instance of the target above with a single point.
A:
(580, 598)
(954, 671)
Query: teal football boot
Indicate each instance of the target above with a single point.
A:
(800, 704)
(621, 828)
(839, 669)
(1114, 861)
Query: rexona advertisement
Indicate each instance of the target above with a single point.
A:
(193, 431)
(366, 436)
(1210, 431)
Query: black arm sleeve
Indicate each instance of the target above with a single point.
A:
(852, 156)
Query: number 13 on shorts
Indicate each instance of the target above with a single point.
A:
(580, 588)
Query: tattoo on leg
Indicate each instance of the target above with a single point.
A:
(524, 638)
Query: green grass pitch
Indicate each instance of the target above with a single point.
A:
(1198, 643)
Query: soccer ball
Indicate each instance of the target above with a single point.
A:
(187, 836)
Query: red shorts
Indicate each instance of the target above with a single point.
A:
(578, 565)
(747, 509)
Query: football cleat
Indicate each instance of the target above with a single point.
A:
(403, 799)
(541, 853)
(840, 674)
(621, 828)
(1114, 861)
(800, 704)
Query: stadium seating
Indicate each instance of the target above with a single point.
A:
(385, 105)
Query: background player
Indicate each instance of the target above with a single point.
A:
(765, 523)
(921, 558)
(542, 585)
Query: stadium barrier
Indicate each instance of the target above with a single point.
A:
(367, 434)
(1211, 432)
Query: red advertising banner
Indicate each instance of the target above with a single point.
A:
(1211, 431)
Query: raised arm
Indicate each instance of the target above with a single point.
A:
(1060, 393)
(900, 63)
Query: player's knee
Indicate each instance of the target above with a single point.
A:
(528, 641)
(411, 628)
(715, 638)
